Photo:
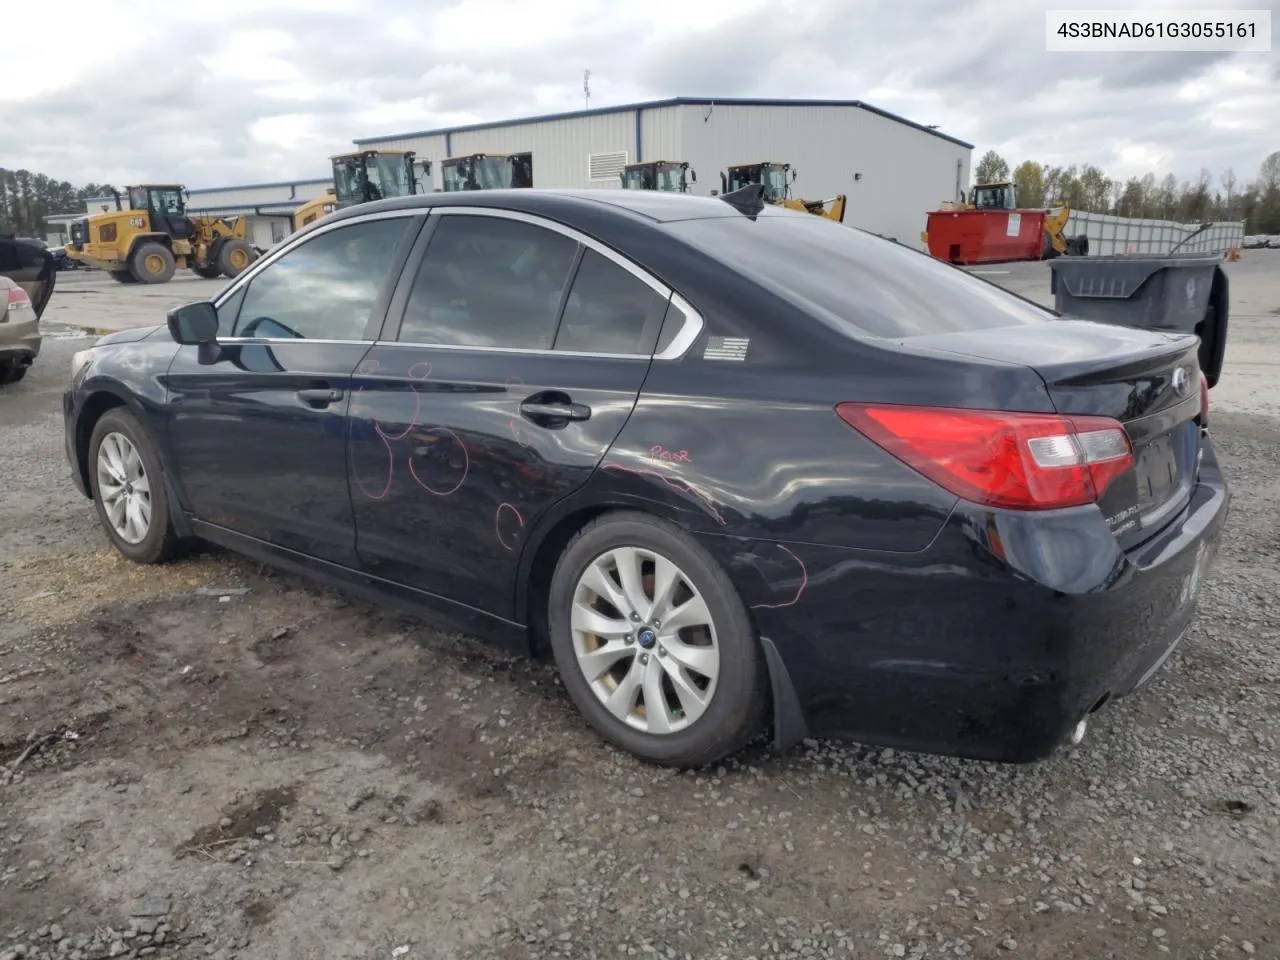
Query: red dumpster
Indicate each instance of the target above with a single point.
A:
(986, 236)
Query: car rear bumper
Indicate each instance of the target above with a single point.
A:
(995, 641)
(20, 342)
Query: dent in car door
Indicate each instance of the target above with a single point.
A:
(31, 268)
(487, 409)
(258, 436)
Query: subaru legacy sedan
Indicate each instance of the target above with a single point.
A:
(738, 468)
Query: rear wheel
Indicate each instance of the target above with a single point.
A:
(152, 263)
(233, 257)
(128, 489)
(653, 643)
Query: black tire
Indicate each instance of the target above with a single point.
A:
(152, 263)
(12, 373)
(210, 271)
(234, 257)
(122, 276)
(161, 539)
(740, 701)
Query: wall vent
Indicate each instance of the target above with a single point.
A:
(606, 166)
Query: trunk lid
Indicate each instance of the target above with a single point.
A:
(1150, 382)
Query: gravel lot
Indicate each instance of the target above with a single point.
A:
(210, 759)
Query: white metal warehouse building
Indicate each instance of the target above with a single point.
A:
(891, 169)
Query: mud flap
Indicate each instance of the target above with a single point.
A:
(789, 726)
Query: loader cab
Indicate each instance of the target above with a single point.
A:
(165, 206)
(487, 171)
(665, 175)
(993, 196)
(776, 178)
(372, 175)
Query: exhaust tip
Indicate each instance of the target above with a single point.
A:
(1077, 734)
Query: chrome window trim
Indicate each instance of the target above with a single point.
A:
(298, 341)
(289, 245)
(689, 331)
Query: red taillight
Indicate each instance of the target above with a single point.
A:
(1204, 400)
(1022, 461)
(18, 299)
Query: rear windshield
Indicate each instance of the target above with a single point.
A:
(854, 280)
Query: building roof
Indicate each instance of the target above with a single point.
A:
(261, 186)
(670, 102)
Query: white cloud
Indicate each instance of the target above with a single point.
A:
(240, 91)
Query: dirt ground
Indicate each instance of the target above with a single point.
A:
(212, 759)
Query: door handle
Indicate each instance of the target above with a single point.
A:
(554, 411)
(320, 397)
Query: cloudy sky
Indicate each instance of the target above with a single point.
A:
(238, 91)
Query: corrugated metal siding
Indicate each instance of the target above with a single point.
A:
(661, 134)
(560, 147)
(905, 172)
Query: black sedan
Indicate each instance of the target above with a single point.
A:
(737, 467)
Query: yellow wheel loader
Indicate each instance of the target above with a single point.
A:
(673, 176)
(314, 209)
(148, 239)
(374, 175)
(776, 179)
(360, 178)
(487, 171)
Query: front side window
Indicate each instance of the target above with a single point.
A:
(493, 173)
(166, 201)
(391, 174)
(348, 179)
(775, 183)
(489, 282)
(326, 288)
(610, 310)
(137, 198)
(671, 177)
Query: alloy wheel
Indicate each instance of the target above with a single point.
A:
(124, 488)
(644, 640)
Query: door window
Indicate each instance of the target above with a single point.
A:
(610, 310)
(324, 289)
(489, 282)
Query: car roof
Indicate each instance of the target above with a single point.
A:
(652, 205)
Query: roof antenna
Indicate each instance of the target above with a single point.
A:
(748, 200)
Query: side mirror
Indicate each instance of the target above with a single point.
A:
(793, 175)
(693, 175)
(194, 323)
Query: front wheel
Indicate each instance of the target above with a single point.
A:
(152, 263)
(653, 643)
(234, 256)
(128, 489)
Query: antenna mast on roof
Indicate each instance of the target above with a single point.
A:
(586, 90)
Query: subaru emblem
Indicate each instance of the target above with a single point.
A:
(1182, 381)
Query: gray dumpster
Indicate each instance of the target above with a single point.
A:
(1184, 293)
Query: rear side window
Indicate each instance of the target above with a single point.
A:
(609, 310)
(489, 282)
(854, 281)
